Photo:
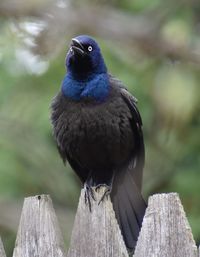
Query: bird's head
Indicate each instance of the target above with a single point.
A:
(84, 57)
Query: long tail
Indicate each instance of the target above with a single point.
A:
(129, 207)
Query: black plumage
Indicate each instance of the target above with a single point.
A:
(103, 143)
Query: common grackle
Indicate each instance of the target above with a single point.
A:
(98, 130)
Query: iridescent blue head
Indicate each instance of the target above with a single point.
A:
(84, 58)
(86, 76)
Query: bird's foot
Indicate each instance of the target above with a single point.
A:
(89, 194)
(106, 193)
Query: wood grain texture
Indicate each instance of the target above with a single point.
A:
(39, 234)
(2, 252)
(165, 231)
(96, 233)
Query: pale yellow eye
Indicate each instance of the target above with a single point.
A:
(89, 48)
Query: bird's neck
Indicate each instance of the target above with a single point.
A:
(95, 87)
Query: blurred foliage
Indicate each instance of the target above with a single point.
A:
(167, 89)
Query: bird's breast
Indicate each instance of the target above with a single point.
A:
(96, 135)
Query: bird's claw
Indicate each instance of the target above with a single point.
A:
(88, 195)
(96, 188)
(106, 192)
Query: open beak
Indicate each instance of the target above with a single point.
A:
(77, 47)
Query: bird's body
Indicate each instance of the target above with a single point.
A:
(98, 130)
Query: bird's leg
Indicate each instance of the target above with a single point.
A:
(89, 192)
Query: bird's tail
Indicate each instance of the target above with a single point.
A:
(129, 207)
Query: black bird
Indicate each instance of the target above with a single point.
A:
(98, 130)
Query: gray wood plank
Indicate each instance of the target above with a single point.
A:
(96, 233)
(165, 231)
(2, 252)
(39, 234)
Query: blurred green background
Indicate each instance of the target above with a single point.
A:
(152, 46)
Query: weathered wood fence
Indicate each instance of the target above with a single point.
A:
(165, 231)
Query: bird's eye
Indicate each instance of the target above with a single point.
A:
(89, 48)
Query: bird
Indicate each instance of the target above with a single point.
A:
(98, 131)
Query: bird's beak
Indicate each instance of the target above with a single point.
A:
(77, 47)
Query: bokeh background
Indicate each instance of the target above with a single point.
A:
(152, 46)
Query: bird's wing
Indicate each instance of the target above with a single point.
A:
(136, 164)
(126, 195)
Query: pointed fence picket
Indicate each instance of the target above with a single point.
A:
(2, 252)
(165, 231)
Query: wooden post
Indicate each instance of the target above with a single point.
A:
(2, 252)
(39, 234)
(165, 231)
(96, 233)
